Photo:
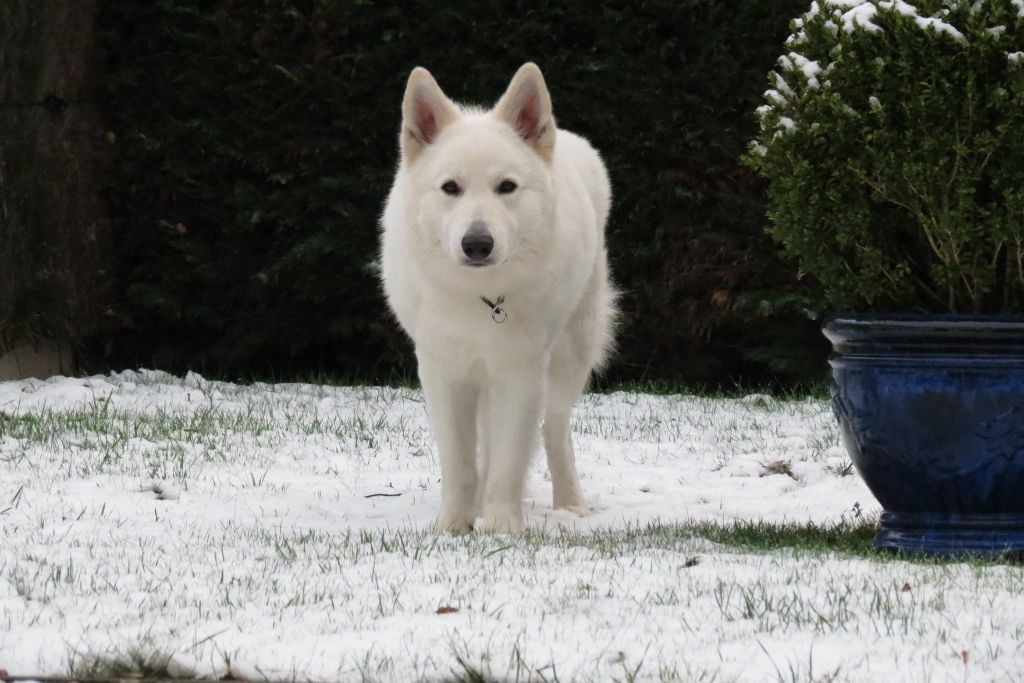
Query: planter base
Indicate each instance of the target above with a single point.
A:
(993, 536)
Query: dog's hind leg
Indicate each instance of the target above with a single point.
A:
(565, 481)
(566, 382)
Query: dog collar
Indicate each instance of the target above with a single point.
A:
(498, 314)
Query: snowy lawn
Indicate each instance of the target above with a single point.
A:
(194, 528)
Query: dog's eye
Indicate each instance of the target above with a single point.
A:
(451, 188)
(506, 187)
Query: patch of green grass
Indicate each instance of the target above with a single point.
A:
(853, 539)
(843, 538)
(395, 379)
(136, 663)
(844, 469)
(755, 537)
(664, 387)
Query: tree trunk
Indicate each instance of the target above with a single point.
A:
(55, 259)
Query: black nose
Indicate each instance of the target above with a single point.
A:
(477, 243)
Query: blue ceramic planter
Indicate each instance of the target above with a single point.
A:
(931, 409)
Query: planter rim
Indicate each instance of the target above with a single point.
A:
(916, 321)
(906, 335)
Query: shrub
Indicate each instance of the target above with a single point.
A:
(893, 138)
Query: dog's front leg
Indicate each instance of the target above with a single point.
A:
(451, 407)
(514, 404)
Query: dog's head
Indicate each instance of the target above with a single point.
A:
(480, 179)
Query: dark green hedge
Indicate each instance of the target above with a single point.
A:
(257, 140)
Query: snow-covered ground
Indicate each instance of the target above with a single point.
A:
(282, 532)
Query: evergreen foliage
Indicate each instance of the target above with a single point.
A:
(257, 140)
(893, 136)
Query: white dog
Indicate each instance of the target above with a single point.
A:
(494, 262)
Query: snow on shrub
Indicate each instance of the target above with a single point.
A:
(893, 138)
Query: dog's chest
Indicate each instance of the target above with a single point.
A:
(484, 327)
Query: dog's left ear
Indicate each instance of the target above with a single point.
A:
(526, 106)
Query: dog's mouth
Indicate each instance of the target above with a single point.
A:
(473, 263)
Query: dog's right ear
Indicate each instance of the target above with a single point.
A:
(426, 110)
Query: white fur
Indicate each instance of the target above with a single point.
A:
(487, 385)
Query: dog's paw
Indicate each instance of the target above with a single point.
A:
(578, 509)
(572, 502)
(454, 523)
(501, 521)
